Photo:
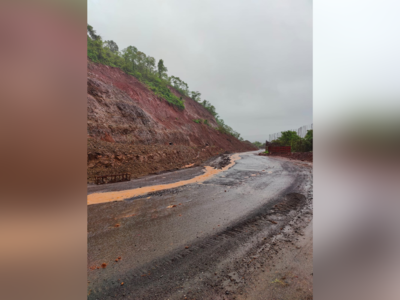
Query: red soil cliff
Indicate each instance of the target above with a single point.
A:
(130, 128)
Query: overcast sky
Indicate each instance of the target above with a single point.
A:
(251, 59)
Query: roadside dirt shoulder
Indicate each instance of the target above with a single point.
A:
(290, 274)
(297, 162)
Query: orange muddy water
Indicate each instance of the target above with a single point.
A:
(187, 166)
(122, 195)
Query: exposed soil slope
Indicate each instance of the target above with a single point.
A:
(130, 128)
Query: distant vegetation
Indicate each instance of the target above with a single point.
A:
(258, 144)
(144, 68)
(298, 144)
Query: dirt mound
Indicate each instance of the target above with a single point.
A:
(130, 129)
(304, 156)
(221, 162)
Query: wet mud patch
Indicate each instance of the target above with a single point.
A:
(289, 202)
(235, 177)
(239, 174)
(223, 182)
(165, 192)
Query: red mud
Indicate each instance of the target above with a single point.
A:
(130, 128)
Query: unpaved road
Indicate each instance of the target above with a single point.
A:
(245, 233)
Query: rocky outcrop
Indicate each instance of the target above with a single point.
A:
(130, 129)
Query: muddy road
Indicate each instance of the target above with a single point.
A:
(245, 233)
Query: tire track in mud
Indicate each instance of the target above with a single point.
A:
(202, 270)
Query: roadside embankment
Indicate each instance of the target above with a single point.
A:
(132, 130)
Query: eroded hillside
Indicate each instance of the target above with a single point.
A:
(130, 129)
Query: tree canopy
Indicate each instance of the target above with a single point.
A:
(258, 144)
(162, 70)
(112, 46)
(298, 144)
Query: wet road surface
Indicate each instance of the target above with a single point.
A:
(188, 241)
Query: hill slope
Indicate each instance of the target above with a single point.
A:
(130, 128)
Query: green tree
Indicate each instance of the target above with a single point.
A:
(196, 96)
(150, 63)
(92, 33)
(257, 144)
(112, 46)
(289, 138)
(180, 85)
(141, 61)
(129, 54)
(207, 105)
(309, 140)
(95, 45)
(298, 144)
(162, 69)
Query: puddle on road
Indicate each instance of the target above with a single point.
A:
(122, 195)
